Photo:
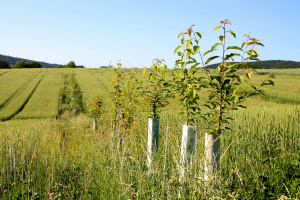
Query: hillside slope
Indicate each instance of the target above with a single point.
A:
(270, 64)
(12, 61)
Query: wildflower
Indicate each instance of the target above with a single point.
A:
(24, 182)
(51, 195)
(142, 156)
(5, 191)
(132, 193)
(66, 195)
(171, 180)
(233, 193)
(86, 190)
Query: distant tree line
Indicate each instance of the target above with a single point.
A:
(268, 64)
(13, 60)
(3, 64)
(71, 64)
(23, 64)
(20, 64)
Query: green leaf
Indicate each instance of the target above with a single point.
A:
(221, 37)
(231, 55)
(199, 34)
(241, 106)
(210, 59)
(260, 44)
(253, 86)
(262, 92)
(177, 48)
(151, 76)
(196, 48)
(194, 66)
(271, 82)
(242, 45)
(232, 33)
(207, 52)
(182, 40)
(215, 46)
(235, 47)
(188, 44)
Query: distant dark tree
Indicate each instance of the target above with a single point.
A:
(80, 66)
(71, 64)
(3, 64)
(23, 64)
(59, 66)
(19, 64)
(104, 67)
(34, 64)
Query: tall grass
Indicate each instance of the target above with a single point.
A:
(260, 159)
(259, 156)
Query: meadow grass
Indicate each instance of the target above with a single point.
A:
(260, 159)
(259, 156)
(18, 103)
(13, 83)
(43, 103)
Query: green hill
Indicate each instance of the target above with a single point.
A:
(12, 61)
(269, 64)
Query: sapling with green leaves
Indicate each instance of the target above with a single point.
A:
(96, 109)
(117, 100)
(131, 98)
(227, 88)
(187, 85)
(156, 94)
(125, 97)
(185, 81)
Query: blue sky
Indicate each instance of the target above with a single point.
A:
(93, 33)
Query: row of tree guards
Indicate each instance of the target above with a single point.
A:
(188, 148)
(226, 90)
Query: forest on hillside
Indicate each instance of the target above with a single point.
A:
(13, 60)
(268, 64)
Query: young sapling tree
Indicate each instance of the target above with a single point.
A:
(156, 94)
(228, 88)
(187, 85)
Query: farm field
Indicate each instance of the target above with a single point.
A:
(42, 152)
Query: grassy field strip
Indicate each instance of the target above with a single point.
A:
(294, 72)
(285, 90)
(90, 85)
(13, 83)
(16, 106)
(44, 101)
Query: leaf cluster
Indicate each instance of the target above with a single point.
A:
(157, 92)
(186, 83)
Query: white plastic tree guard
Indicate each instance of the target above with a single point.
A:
(189, 137)
(152, 144)
(94, 124)
(212, 153)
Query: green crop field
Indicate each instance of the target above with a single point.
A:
(43, 150)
